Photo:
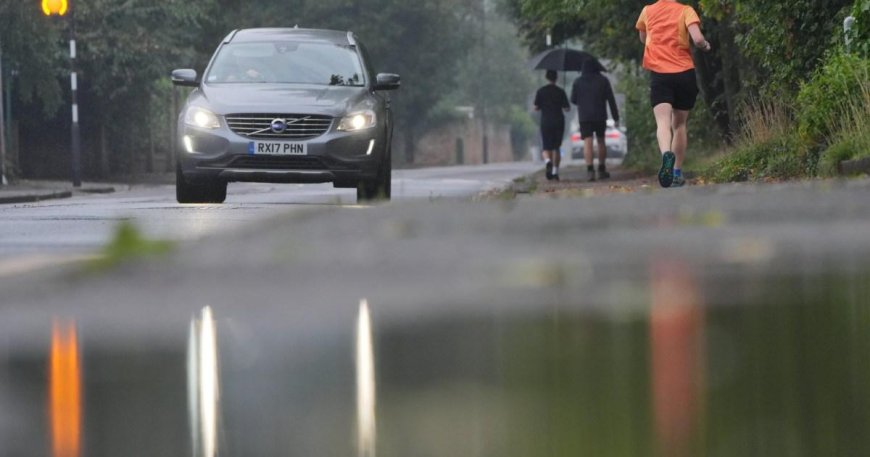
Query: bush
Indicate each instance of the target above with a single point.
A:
(852, 137)
(860, 34)
(827, 96)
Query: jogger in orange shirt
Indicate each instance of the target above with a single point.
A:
(666, 28)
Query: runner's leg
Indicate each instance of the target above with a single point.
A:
(681, 136)
(664, 114)
(587, 151)
(602, 152)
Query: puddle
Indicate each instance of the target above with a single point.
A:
(785, 372)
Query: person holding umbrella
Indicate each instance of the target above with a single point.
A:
(592, 93)
(665, 29)
(552, 102)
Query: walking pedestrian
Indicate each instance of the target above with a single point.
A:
(665, 29)
(592, 93)
(552, 102)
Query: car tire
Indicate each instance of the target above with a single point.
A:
(379, 188)
(213, 191)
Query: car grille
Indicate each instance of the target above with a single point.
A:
(259, 126)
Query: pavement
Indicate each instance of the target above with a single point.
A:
(29, 191)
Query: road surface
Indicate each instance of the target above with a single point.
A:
(79, 226)
(704, 321)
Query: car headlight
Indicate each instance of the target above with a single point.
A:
(358, 121)
(202, 118)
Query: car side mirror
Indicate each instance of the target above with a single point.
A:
(388, 81)
(185, 77)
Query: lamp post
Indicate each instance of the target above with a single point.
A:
(61, 8)
(484, 115)
(2, 125)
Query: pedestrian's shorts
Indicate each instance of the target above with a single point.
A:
(678, 89)
(589, 129)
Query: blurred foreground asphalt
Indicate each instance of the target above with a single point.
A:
(427, 258)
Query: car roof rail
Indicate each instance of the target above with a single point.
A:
(231, 36)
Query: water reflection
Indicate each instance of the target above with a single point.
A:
(676, 339)
(365, 383)
(203, 391)
(65, 404)
(695, 366)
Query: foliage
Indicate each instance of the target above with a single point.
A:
(639, 120)
(852, 137)
(768, 148)
(860, 34)
(127, 48)
(785, 40)
(826, 97)
(493, 75)
(129, 244)
(28, 43)
(760, 47)
(605, 26)
(772, 159)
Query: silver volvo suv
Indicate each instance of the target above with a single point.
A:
(285, 106)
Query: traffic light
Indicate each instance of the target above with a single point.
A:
(50, 7)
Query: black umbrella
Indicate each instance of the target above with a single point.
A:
(562, 59)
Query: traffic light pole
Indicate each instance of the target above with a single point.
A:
(75, 138)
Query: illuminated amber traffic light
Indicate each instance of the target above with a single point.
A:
(58, 7)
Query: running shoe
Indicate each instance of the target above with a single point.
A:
(603, 174)
(591, 174)
(679, 181)
(666, 174)
(549, 172)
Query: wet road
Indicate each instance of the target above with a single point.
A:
(33, 234)
(716, 321)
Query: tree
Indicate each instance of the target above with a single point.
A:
(784, 42)
(29, 48)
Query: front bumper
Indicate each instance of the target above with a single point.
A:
(342, 158)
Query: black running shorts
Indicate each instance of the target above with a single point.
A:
(678, 89)
(588, 129)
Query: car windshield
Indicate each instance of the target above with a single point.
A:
(287, 63)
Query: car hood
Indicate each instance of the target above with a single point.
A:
(279, 98)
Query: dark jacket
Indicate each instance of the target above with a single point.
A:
(592, 93)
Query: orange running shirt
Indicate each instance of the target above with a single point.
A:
(666, 24)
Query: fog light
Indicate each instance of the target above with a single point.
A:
(371, 147)
(188, 144)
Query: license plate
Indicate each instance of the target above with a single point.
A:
(277, 148)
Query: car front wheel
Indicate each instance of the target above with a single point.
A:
(379, 188)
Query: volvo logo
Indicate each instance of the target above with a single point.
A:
(279, 125)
